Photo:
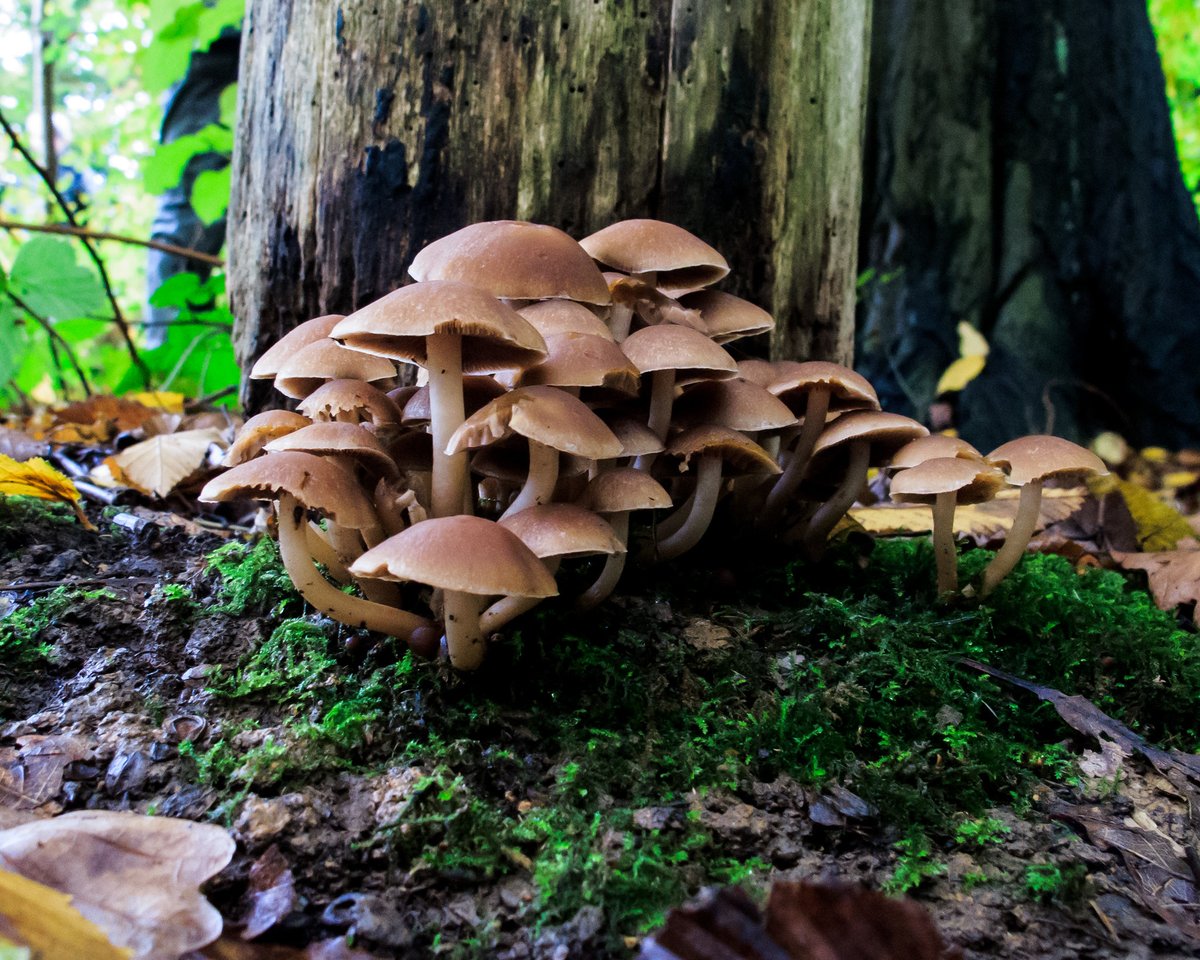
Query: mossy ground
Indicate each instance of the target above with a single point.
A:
(847, 673)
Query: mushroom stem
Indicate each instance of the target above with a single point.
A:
(833, 509)
(662, 397)
(323, 595)
(669, 525)
(444, 365)
(507, 609)
(708, 489)
(614, 566)
(464, 636)
(943, 542)
(1028, 509)
(785, 487)
(323, 552)
(620, 319)
(539, 484)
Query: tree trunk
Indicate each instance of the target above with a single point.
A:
(367, 131)
(1022, 177)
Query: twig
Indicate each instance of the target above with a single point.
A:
(90, 247)
(53, 584)
(57, 338)
(192, 406)
(84, 233)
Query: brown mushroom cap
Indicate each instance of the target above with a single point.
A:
(317, 483)
(672, 347)
(330, 438)
(624, 489)
(636, 438)
(932, 447)
(849, 390)
(973, 481)
(550, 317)
(563, 530)
(736, 404)
(312, 366)
(461, 553)
(761, 372)
(682, 261)
(340, 397)
(267, 366)
(1040, 457)
(260, 430)
(583, 360)
(515, 260)
(477, 392)
(885, 431)
(740, 454)
(727, 317)
(543, 414)
(494, 336)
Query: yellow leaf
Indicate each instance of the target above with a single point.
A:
(157, 466)
(1160, 526)
(165, 400)
(43, 919)
(971, 342)
(961, 372)
(36, 478)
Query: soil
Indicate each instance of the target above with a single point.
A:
(128, 676)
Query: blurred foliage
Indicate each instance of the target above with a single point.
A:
(113, 63)
(1177, 28)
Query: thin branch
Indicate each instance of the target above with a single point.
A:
(134, 356)
(57, 338)
(83, 232)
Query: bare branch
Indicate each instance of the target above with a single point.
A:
(56, 338)
(84, 233)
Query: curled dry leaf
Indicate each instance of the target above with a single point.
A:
(1173, 575)
(981, 521)
(43, 920)
(36, 478)
(135, 877)
(157, 466)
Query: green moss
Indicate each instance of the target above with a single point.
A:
(252, 578)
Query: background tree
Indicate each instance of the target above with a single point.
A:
(1022, 177)
(366, 131)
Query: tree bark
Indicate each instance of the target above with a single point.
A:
(1022, 177)
(366, 131)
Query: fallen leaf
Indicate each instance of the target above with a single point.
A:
(165, 400)
(1159, 525)
(272, 893)
(36, 478)
(43, 919)
(982, 521)
(231, 948)
(1173, 575)
(135, 877)
(116, 414)
(157, 466)
(33, 775)
(706, 635)
(20, 445)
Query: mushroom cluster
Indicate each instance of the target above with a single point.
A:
(562, 389)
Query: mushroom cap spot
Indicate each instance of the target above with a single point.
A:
(636, 438)
(477, 392)
(338, 397)
(848, 390)
(973, 480)
(563, 530)
(317, 483)
(267, 366)
(761, 372)
(260, 430)
(317, 363)
(737, 404)
(463, 553)
(494, 336)
(931, 447)
(1039, 457)
(727, 317)
(886, 432)
(740, 454)
(623, 489)
(542, 414)
(550, 317)
(670, 346)
(513, 259)
(583, 360)
(682, 261)
(330, 438)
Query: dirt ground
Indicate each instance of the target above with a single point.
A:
(127, 681)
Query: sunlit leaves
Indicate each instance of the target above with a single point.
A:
(47, 276)
(210, 194)
(164, 168)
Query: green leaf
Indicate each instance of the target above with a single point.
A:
(176, 291)
(210, 194)
(164, 61)
(46, 276)
(228, 106)
(163, 168)
(13, 342)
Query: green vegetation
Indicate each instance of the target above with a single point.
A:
(1177, 29)
(1049, 881)
(252, 578)
(23, 632)
(550, 757)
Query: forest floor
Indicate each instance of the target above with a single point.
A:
(743, 719)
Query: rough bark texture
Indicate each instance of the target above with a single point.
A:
(367, 130)
(1022, 177)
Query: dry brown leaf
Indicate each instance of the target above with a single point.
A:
(1173, 575)
(982, 521)
(157, 466)
(114, 414)
(20, 445)
(135, 877)
(33, 775)
(36, 916)
(36, 478)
